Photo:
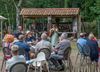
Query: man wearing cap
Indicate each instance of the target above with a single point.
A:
(15, 57)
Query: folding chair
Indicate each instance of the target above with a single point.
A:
(84, 52)
(66, 56)
(79, 52)
(18, 67)
(46, 51)
(40, 61)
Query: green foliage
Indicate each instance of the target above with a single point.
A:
(7, 9)
(43, 3)
(89, 9)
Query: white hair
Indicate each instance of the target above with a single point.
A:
(44, 36)
(64, 35)
(91, 35)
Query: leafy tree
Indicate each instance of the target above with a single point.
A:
(89, 9)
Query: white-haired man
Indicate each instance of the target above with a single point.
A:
(59, 49)
(44, 43)
(15, 57)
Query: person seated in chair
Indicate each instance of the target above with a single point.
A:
(94, 48)
(44, 43)
(82, 41)
(58, 53)
(15, 57)
(23, 45)
(29, 37)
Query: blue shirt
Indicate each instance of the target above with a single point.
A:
(82, 42)
(30, 39)
(22, 44)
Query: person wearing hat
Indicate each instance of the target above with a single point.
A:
(83, 40)
(15, 57)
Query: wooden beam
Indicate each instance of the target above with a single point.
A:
(49, 23)
(79, 25)
(40, 16)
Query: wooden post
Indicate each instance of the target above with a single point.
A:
(79, 25)
(49, 23)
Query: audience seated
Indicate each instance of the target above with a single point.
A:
(82, 41)
(44, 43)
(15, 57)
(58, 53)
(24, 45)
(29, 37)
(94, 49)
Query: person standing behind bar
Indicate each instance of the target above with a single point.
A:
(54, 36)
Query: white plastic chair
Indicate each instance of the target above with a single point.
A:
(40, 61)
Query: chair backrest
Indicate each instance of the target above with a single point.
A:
(18, 67)
(85, 49)
(7, 53)
(46, 51)
(67, 53)
(41, 56)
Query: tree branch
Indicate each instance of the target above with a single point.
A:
(15, 4)
(19, 3)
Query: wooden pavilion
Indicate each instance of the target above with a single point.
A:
(50, 13)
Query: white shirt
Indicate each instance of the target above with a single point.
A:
(43, 44)
(13, 60)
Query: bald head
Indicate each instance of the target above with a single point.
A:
(44, 36)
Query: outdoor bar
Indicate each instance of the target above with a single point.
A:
(55, 13)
